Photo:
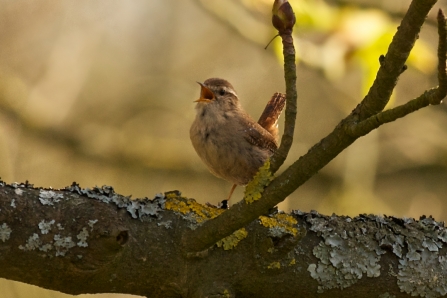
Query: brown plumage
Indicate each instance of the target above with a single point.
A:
(227, 139)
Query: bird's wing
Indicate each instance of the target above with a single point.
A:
(258, 136)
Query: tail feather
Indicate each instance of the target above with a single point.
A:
(272, 111)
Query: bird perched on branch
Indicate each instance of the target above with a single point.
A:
(231, 144)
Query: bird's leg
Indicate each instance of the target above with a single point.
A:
(224, 203)
(231, 191)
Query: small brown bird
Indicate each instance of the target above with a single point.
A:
(231, 144)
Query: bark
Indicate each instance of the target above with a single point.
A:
(96, 241)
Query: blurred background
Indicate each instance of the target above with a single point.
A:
(101, 92)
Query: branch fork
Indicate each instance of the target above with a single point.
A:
(368, 115)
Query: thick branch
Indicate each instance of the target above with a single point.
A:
(96, 241)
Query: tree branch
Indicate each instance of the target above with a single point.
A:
(373, 122)
(442, 53)
(433, 96)
(392, 65)
(327, 149)
(396, 12)
(97, 241)
(285, 32)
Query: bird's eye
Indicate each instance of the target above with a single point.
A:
(222, 92)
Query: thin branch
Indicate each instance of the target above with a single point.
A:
(430, 97)
(442, 55)
(291, 98)
(393, 63)
(396, 12)
(373, 122)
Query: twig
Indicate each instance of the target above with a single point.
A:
(442, 55)
(393, 63)
(283, 19)
(430, 97)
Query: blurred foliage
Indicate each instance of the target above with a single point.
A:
(342, 37)
(101, 92)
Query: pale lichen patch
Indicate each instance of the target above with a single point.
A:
(132, 208)
(82, 237)
(91, 223)
(45, 227)
(32, 243)
(425, 277)
(62, 244)
(105, 194)
(46, 247)
(255, 188)
(13, 203)
(5, 232)
(345, 255)
(232, 241)
(166, 224)
(49, 197)
(353, 249)
(138, 208)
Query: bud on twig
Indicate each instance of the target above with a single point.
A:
(283, 17)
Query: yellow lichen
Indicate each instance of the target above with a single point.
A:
(185, 206)
(283, 221)
(255, 187)
(226, 294)
(171, 194)
(274, 265)
(231, 241)
(293, 262)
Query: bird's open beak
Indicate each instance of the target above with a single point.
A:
(206, 95)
